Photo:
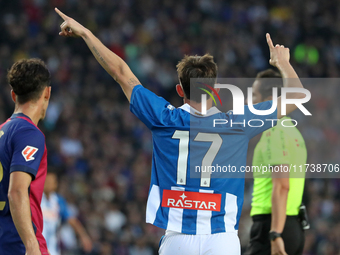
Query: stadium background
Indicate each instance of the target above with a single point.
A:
(103, 152)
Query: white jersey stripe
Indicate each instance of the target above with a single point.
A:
(203, 222)
(175, 217)
(230, 212)
(154, 202)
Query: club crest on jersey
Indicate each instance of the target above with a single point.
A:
(29, 152)
(191, 200)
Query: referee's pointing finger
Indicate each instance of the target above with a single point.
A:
(64, 16)
(269, 41)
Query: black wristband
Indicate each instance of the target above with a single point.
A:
(273, 235)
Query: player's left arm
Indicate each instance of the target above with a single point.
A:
(112, 63)
(277, 155)
(81, 232)
(279, 207)
(66, 215)
(279, 57)
(19, 204)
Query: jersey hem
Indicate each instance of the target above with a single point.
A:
(192, 232)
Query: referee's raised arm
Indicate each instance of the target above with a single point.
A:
(279, 57)
(112, 63)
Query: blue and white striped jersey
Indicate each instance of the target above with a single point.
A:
(183, 197)
(55, 211)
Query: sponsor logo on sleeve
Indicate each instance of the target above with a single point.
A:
(29, 152)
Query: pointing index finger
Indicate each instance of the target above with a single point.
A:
(269, 41)
(64, 16)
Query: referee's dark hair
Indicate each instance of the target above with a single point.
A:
(267, 85)
(28, 78)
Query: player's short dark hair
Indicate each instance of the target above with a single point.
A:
(267, 85)
(196, 67)
(28, 78)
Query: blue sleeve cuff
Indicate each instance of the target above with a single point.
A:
(26, 169)
(133, 93)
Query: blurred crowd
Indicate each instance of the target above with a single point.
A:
(103, 152)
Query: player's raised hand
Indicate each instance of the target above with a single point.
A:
(70, 27)
(278, 54)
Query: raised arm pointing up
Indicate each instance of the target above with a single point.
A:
(112, 63)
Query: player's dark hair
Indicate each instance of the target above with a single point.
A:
(197, 67)
(28, 78)
(267, 85)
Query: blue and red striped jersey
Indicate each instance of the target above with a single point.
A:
(23, 148)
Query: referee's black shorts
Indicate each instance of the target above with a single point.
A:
(292, 235)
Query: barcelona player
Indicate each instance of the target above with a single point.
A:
(200, 215)
(23, 161)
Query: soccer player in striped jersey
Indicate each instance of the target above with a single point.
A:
(23, 161)
(55, 211)
(200, 215)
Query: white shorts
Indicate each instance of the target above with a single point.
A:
(174, 243)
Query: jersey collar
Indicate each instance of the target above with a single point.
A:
(186, 107)
(20, 114)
